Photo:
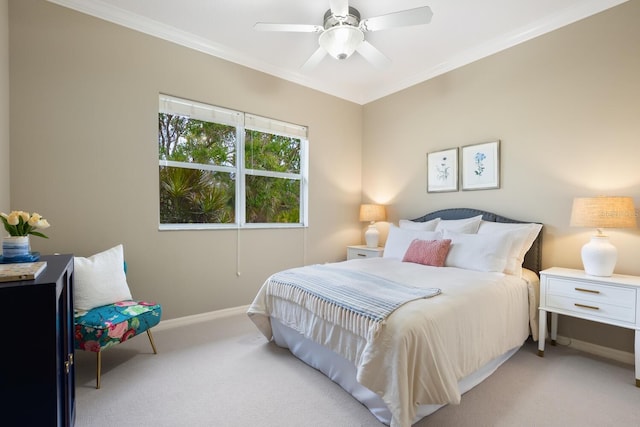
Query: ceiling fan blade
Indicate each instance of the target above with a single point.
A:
(315, 59)
(339, 7)
(417, 16)
(373, 55)
(296, 28)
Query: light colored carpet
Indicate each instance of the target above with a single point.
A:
(224, 373)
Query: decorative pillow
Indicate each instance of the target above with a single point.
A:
(482, 252)
(467, 225)
(523, 236)
(398, 240)
(100, 279)
(413, 225)
(427, 252)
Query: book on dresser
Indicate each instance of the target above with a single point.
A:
(21, 271)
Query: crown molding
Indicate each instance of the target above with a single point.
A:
(536, 29)
(104, 11)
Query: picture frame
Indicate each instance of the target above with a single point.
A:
(442, 171)
(480, 168)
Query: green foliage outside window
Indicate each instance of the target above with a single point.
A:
(194, 189)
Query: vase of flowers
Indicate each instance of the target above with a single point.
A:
(20, 225)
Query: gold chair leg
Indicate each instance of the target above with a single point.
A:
(98, 368)
(99, 358)
(151, 340)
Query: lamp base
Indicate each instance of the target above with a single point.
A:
(371, 236)
(599, 256)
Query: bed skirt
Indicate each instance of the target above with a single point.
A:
(343, 372)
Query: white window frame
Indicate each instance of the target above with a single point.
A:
(241, 121)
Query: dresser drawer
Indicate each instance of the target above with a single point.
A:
(595, 292)
(356, 252)
(592, 308)
(593, 299)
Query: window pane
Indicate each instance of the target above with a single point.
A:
(203, 180)
(195, 196)
(195, 141)
(269, 152)
(274, 200)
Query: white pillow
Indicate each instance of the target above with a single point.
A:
(100, 279)
(482, 252)
(523, 237)
(398, 240)
(413, 225)
(467, 225)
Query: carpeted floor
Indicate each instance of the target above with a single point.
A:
(224, 373)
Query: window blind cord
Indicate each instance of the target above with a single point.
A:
(238, 272)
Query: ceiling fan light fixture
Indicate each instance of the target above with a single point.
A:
(341, 41)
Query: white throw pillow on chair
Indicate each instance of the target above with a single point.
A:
(100, 279)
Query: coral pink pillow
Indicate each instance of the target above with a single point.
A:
(428, 252)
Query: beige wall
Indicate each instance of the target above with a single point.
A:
(4, 108)
(84, 132)
(566, 107)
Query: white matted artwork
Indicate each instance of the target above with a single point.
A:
(481, 166)
(442, 171)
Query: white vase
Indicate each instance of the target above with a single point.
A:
(15, 247)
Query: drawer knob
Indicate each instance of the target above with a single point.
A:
(364, 255)
(591, 291)
(586, 306)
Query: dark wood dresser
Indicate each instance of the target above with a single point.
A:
(37, 375)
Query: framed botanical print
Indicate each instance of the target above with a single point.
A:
(481, 166)
(442, 171)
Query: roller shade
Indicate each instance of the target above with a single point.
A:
(199, 111)
(265, 125)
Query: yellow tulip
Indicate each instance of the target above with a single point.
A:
(42, 223)
(13, 218)
(34, 219)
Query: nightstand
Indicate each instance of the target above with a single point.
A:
(363, 251)
(612, 300)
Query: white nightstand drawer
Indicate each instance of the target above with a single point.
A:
(362, 251)
(597, 309)
(595, 292)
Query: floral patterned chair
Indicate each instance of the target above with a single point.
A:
(103, 327)
(105, 313)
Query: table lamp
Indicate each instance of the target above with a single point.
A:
(599, 256)
(372, 213)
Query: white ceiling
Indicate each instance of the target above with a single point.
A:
(460, 32)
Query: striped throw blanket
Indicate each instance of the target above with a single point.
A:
(355, 300)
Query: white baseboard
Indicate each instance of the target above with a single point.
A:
(202, 317)
(597, 350)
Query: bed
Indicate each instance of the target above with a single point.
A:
(410, 332)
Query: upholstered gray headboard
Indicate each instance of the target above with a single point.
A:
(533, 258)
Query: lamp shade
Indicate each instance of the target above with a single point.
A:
(603, 212)
(599, 256)
(341, 41)
(372, 212)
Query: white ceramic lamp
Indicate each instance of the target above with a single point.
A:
(599, 256)
(372, 213)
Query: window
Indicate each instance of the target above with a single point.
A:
(221, 168)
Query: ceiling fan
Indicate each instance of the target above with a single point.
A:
(343, 31)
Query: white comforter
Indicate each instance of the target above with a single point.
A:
(427, 345)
